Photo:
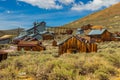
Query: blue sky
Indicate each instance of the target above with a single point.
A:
(22, 13)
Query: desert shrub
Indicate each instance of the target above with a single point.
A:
(114, 59)
(104, 72)
(102, 76)
(45, 66)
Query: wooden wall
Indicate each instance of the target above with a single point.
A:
(54, 43)
(106, 36)
(31, 48)
(47, 37)
(62, 30)
(73, 45)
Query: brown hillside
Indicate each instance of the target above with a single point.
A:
(109, 17)
(10, 32)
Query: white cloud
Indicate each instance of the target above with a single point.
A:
(66, 2)
(93, 5)
(46, 4)
(8, 11)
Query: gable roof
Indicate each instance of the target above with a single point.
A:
(78, 38)
(97, 32)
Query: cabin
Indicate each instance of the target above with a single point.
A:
(75, 44)
(30, 46)
(3, 55)
(100, 35)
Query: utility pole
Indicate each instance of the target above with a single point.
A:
(18, 32)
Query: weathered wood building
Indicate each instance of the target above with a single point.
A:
(34, 32)
(37, 27)
(100, 35)
(3, 55)
(47, 36)
(30, 46)
(76, 44)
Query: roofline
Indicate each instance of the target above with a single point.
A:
(98, 34)
(71, 37)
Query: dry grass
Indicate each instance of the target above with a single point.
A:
(109, 18)
(104, 65)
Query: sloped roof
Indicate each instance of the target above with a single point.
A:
(79, 38)
(96, 32)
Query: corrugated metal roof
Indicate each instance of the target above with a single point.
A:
(96, 32)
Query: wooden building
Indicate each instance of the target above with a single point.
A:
(37, 27)
(86, 27)
(19, 38)
(3, 55)
(76, 44)
(54, 43)
(30, 46)
(33, 32)
(47, 36)
(100, 35)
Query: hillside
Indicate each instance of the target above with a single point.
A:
(109, 17)
(10, 32)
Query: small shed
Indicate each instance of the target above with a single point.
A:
(30, 46)
(75, 44)
(100, 35)
(3, 55)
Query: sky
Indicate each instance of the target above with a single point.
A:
(22, 13)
